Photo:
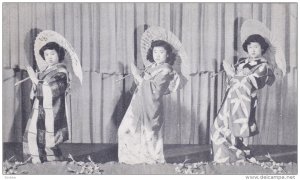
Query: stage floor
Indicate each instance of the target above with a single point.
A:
(107, 154)
(174, 153)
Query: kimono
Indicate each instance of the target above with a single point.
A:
(236, 117)
(48, 120)
(140, 133)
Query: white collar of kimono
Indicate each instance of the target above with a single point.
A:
(253, 61)
(53, 66)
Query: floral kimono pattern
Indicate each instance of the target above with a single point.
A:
(236, 117)
(47, 122)
(140, 133)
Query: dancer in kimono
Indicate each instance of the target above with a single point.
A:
(47, 126)
(49, 122)
(236, 117)
(140, 133)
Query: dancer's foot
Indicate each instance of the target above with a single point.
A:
(252, 160)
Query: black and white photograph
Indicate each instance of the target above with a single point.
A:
(150, 88)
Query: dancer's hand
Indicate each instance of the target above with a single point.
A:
(135, 73)
(32, 75)
(147, 76)
(228, 68)
(253, 128)
(58, 138)
(134, 70)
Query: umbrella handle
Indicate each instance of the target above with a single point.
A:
(131, 74)
(19, 82)
(123, 77)
(216, 74)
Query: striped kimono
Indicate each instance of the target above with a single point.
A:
(48, 119)
(140, 133)
(236, 117)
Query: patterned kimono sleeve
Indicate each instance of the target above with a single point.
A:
(261, 76)
(148, 102)
(58, 84)
(159, 84)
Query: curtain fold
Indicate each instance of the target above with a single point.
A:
(106, 37)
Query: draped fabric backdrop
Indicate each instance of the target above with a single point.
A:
(106, 37)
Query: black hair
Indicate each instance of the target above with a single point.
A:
(256, 38)
(171, 57)
(53, 46)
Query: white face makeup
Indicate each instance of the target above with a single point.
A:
(159, 54)
(254, 50)
(51, 57)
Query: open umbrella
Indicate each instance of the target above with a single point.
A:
(47, 36)
(181, 65)
(275, 51)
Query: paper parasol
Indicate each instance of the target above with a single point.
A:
(153, 33)
(47, 36)
(251, 26)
